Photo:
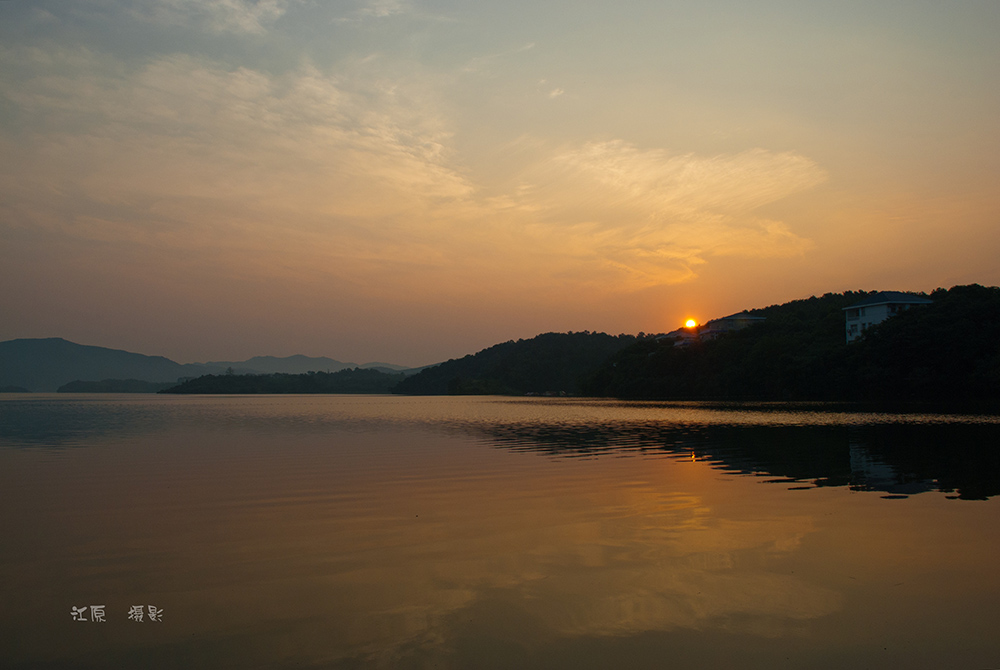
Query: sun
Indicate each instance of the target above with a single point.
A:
(690, 323)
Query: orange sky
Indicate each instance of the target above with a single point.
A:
(413, 181)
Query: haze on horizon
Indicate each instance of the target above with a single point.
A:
(410, 181)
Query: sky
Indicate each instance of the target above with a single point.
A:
(409, 181)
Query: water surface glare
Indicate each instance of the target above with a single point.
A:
(486, 532)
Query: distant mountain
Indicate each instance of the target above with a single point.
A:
(46, 364)
(293, 365)
(551, 363)
(354, 380)
(299, 364)
(388, 366)
(115, 386)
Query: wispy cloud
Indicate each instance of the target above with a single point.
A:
(658, 182)
(352, 175)
(221, 16)
(383, 8)
(369, 10)
(481, 63)
(649, 217)
(307, 163)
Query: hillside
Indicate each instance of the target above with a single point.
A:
(548, 363)
(357, 380)
(47, 364)
(949, 350)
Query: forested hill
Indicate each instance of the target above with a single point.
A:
(548, 363)
(357, 380)
(949, 350)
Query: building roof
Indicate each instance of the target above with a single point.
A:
(741, 316)
(890, 297)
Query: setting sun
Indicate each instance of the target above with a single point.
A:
(690, 323)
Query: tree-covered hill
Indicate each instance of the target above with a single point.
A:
(548, 363)
(357, 380)
(947, 350)
(943, 351)
(784, 357)
(114, 386)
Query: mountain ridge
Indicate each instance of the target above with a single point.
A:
(45, 364)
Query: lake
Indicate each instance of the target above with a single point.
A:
(490, 532)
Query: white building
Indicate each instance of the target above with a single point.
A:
(877, 308)
(728, 324)
(682, 337)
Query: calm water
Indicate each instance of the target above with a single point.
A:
(397, 532)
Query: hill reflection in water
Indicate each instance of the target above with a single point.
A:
(900, 454)
(803, 444)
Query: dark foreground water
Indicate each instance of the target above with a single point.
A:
(398, 532)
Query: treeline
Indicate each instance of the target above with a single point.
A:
(551, 363)
(358, 380)
(949, 350)
(114, 386)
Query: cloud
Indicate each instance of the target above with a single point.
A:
(220, 16)
(383, 8)
(686, 185)
(204, 131)
(648, 217)
(308, 174)
(351, 175)
(485, 63)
